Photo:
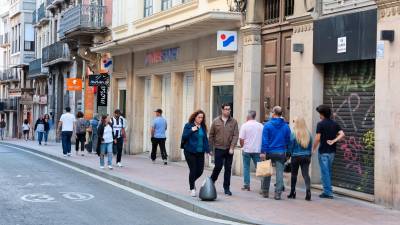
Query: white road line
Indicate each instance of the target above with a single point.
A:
(135, 192)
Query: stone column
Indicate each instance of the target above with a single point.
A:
(251, 74)
(176, 116)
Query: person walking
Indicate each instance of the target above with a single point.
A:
(158, 137)
(119, 124)
(195, 143)
(275, 140)
(106, 138)
(80, 133)
(66, 126)
(25, 129)
(46, 128)
(328, 134)
(94, 123)
(40, 128)
(300, 151)
(223, 137)
(3, 126)
(250, 140)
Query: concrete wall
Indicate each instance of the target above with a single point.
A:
(387, 116)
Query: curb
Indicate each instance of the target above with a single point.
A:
(172, 198)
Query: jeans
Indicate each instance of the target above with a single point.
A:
(279, 161)
(46, 136)
(247, 157)
(106, 148)
(2, 133)
(304, 163)
(95, 140)
(40, 137)
(155, 142)
(66, 141)
(195, 162)
(119, 145)
(80, 138)
(325, 164)
(223, 158)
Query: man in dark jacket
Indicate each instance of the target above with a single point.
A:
(224, 135)
(275, 140)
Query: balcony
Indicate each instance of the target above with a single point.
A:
(9, 104)
(9, 75)
(34, 17)
(55, 53)
(42, 15)
(83, 19)
(36, 69)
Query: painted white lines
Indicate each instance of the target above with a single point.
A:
(77, 197)
(38, 197)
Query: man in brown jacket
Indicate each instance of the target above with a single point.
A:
(224, 135)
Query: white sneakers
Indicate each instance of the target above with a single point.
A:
(110, 167)
(69, 154)
(193, 192)
(101, 167)
(119, 164)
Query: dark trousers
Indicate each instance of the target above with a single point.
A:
(195, 162)
(118, 148)
(80, 139)
(155, 143)
(66, 141)
(223, 159)
(304, 163)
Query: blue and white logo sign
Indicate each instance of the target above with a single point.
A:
(227, 41)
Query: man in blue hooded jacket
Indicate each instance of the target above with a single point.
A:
(275, 140)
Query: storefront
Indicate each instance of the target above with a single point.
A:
(179, 79)
(348, 59)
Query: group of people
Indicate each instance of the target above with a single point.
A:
(41, 128)
(274, 141)
(105, 136)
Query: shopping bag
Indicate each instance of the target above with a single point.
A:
(207, 190)
(264, 169)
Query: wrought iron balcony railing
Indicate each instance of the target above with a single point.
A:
(34, 17)
(88, 17)
(41, 13)
(36, 69)
(9, 104)
(55, 53)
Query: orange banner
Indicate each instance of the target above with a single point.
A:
(89, 98)
(74, 84)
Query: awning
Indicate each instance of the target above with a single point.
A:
(201, 25)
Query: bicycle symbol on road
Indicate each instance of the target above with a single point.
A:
(45, 198)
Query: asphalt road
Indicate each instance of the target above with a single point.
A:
(37, 191)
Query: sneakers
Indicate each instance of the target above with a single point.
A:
(101, 167)
(110, 167)
(277, 196)
(165, 162)
(69, 154)
(323, 195)
(246, 188)
(119, 164)
(228, 192)
(65, 155)
(193, 192)
(45, 143)
(83, 154)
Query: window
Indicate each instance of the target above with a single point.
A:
(148, 8)
(277, 10)
(166, 4)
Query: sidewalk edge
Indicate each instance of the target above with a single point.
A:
(166, 196)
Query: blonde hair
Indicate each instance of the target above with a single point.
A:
(301, 132)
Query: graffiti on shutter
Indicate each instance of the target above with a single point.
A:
(349, 88)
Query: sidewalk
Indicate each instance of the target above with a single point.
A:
(170, 184)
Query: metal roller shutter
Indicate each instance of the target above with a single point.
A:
(349, 88)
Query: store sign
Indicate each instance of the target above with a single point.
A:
(74, 84)
(102, 96)
(14, 93)
(36, 99)
(341, 45)
(99, 80)
(161, 56)
(43, 100)
(106, 63)
(227, 41)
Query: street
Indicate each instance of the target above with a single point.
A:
(37, 191)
